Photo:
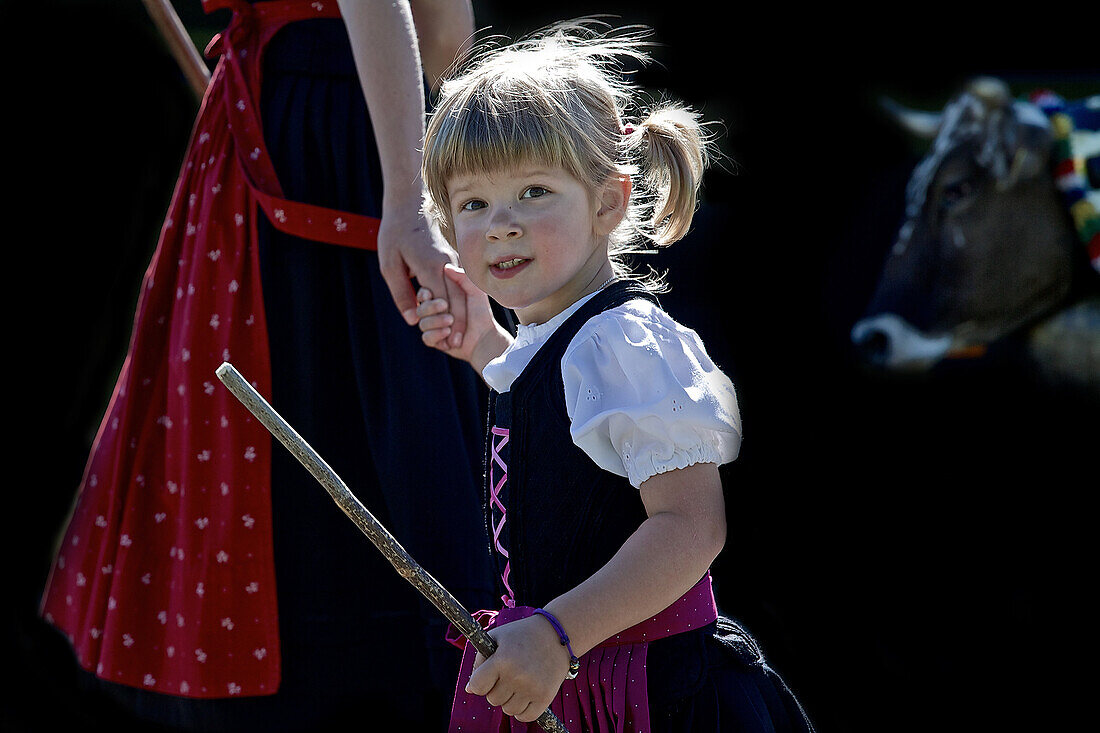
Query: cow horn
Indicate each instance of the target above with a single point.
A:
(924, 125)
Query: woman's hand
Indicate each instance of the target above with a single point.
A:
(409, 248)
(523, 675)
(384, 44)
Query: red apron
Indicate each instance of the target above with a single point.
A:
(165, 578)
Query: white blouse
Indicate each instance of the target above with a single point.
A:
(642, 394)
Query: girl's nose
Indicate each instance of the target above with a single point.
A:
(503, 226)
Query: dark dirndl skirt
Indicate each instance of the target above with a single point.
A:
(717, 679)
(400, 423)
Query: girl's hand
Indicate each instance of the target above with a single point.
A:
(525, 672)
(484, 339)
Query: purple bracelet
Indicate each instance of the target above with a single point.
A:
(574, 663)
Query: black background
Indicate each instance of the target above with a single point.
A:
(911, 554)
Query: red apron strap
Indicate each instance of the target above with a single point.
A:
(241, 46)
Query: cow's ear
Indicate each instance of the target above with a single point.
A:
(1029, 145)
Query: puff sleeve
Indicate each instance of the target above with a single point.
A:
(644, 397)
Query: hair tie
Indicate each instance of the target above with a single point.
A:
(628, 129)
(574, 663)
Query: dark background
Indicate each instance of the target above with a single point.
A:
(911, 554)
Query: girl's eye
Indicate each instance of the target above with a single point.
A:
(534, 192)
(472, 205)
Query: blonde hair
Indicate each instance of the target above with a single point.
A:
(558, 98)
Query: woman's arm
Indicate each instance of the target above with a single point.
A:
(445, 29)
(383, 42)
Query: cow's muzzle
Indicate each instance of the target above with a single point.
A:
(887, 341)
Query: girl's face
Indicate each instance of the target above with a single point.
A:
(533, 238)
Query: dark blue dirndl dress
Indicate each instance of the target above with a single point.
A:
(400, 423)
(561, 518)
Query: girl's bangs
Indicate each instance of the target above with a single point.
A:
(474, 140)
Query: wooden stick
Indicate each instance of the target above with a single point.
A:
(180, 44)
(408, 568)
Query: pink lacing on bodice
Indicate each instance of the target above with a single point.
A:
(495, 488)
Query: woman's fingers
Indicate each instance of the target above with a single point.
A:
(436, 339)
(424, 295)
(433, 318)
(431, 308)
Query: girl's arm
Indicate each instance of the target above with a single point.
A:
(667, 555)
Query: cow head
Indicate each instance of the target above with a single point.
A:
(985, 246)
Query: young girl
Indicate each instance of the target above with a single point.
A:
(608, 419)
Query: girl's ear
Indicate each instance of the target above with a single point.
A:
(613, 201)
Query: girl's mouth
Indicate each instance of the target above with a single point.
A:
(508, 268)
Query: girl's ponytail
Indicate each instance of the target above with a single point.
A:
(672, 155)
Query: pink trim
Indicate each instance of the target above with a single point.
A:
(495, 488)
